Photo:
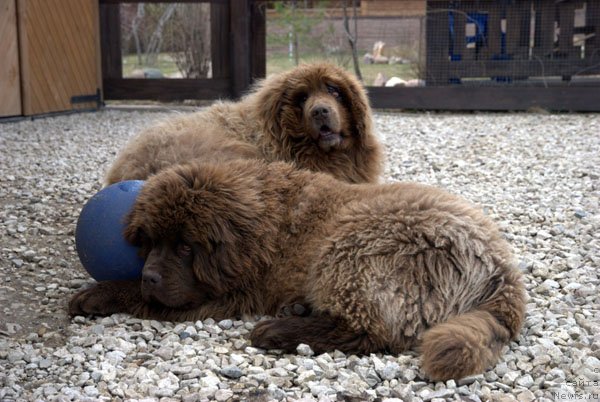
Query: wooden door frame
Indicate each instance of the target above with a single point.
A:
(236, 25)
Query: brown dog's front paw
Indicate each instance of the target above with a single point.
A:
(104, 298)
(265, 335)
(295, 309)
(283, 333)
(92, 301)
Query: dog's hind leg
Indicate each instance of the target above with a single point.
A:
(322, 332)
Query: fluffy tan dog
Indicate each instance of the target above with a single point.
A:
(381, 267)
(316, 116)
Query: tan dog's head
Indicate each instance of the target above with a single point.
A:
(326, 119)
(198, 231)
(315, 104)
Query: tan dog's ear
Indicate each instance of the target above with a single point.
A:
(358, 105)
(269, 99)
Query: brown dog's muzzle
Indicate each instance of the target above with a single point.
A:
(152, 284)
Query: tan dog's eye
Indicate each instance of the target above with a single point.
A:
(183, 250)
(333, 91)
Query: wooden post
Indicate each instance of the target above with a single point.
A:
(437, 41)
(566, 20)
(544, 29)
(518, 17)
(460, 36)
(494, 37)
(110, 41)
(219, 36)
(241, 74)
(258, 31)
(592, 17)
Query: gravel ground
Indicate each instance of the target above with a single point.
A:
(536, 174)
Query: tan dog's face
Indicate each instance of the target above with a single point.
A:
(317, 116)
(315, 106)
(324, 116)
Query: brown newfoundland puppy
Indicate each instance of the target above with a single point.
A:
(316, 116)
(382, 267)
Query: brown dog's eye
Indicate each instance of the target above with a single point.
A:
(183, 250)
(138, 237)
(301, 98)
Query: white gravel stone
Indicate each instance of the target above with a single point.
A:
(231, 372)
(223, 395)
(525, 381)
(226, 324)
(304, 350)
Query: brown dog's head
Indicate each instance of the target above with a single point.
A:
(315, 109)
(197, 228)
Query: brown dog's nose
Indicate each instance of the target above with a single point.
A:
(320, 111)
(151, 278)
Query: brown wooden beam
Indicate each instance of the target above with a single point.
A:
(165, 89)
(110, 41)
(523, 68)
(219, 36)
(437, 41)
(161, 1)
(241, 74)
(563, 98)
(258, 32)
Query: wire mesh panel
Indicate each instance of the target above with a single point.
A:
(387, 36)
(512, 42)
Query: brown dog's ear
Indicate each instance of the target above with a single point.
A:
(221, 267)
(132, 231)
(133, 234)
(136, 236)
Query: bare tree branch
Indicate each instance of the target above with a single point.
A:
(155, 42)
(135, 25)
(294, 33)
(190, 42)
(352, 38)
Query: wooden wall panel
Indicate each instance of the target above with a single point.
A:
(59, 53)
(10, 83)
(385, 8)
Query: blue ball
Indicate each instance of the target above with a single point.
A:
(99, 240)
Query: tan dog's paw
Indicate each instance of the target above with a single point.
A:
(104, 298)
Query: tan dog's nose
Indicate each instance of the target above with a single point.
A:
(320, 111)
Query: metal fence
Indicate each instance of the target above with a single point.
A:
(451, 55)
(499, 42)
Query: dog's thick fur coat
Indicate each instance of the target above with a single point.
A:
(316, 116)
(381, 267)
